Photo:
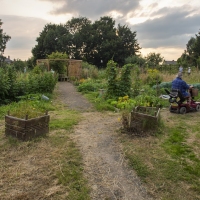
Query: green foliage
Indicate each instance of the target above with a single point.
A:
(191, 55)
(118, 85)
(167, 85)
(125, 80)
(112, 79)
(92, 42)
(89, 71)
(41, 83)
(135, 59)
(123, 103)
(3, 39)
(31, 105)
(19, 65)
(58, 66)
(30, 63)
(12, 75)
(51, 39)
(90, 85)
(13, 85)
(136, 85)
(153, 77)
(153, 59)
(37, 70)
(99, 102)
(4, 84)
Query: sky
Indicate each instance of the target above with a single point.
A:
(162, 26)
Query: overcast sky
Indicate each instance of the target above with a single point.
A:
(162, 26)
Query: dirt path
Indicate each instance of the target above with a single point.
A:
(104, 164)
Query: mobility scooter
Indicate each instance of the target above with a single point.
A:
(180, 104)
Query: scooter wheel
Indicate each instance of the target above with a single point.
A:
(198, 107)
(182, 110)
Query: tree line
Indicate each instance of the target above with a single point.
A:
(96, 42)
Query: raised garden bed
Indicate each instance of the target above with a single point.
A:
(144, 117)
(26, 129)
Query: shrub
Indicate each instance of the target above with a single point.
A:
(118, 85)
(59, 66)
(89, 71)
(153, 77)
(90, 86)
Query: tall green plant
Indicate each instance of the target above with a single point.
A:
(125, 81)
(12, 75)
(136, 81)
(112, 79)
(4, 84)
(118, 86)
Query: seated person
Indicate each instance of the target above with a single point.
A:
(182, 86)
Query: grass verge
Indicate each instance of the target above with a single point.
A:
(169, 162)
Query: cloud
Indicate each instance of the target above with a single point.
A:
(94, 9)
(23, 32)
(173, 29)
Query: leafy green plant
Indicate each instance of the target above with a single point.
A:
(153, 77)
(59, 66)
(4, 84)
(89, 71)
(136, 85)
(90, 85)
(118, 85)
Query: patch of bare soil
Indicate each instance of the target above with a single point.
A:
(104, 165)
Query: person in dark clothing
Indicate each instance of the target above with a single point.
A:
(182, 86)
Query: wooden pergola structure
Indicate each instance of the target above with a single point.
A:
(74, 67)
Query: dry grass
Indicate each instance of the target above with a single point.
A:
(39, 169)
(167, 76)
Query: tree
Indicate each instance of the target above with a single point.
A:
(135, 59)
(127, 44)
(112, 43)
(3, 40)
(19, 65)
(154, 59)
(96, 43)
(192, 52)
(80, 43)
(30, 63)
(196, 47)
(53, 38)
(104, 41)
